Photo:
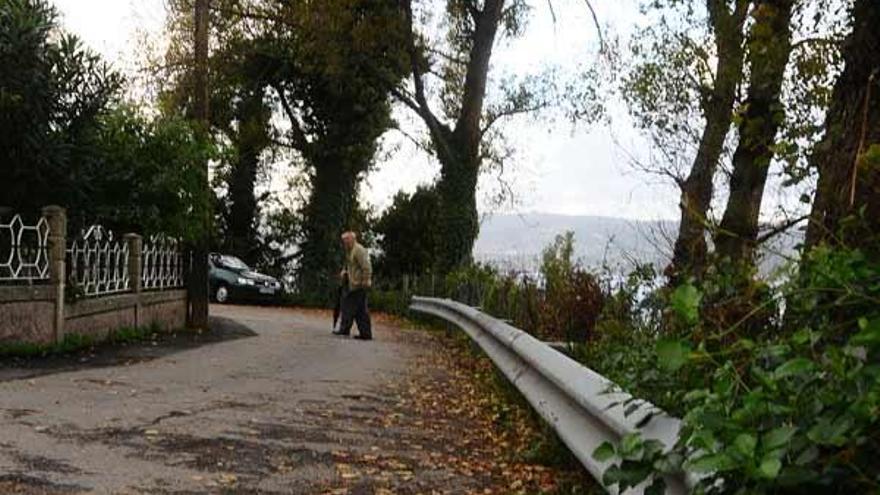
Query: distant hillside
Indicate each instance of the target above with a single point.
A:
(517, 240)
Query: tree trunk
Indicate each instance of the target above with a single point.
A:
(198, 290)
(458, 147)
(460, 163)
(339, 163)
(327, 215)
(458, 218)
(769, 50)
(252, 140)
(848, 157)
(689, 253)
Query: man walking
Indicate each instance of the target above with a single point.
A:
(359, 272)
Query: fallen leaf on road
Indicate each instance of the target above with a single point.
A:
(228, 479)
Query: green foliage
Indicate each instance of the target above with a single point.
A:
(64, 138)
(685, 302)
(557, 261)
(146, 175)
(562, 306)
(807, 91)
(573, 298)
(73, 343)
(333, 70)
(672, 354)
(407, 233)
(52, 94)
(669, 78)
(792, 410)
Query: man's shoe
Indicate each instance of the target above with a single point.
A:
(361, 337)
(340, 333)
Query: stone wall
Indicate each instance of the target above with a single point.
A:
(98, 317)
(118, 285)
(27, 314)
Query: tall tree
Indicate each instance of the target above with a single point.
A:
(53, 94)
(458, 135)
(846, 208)
(335, 62)
(689, 253)
(198, 290)
(769, 48)
(240, 117)
(252, 137)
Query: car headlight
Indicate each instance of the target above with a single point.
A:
(245, 281)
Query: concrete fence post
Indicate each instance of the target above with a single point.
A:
(56, 216)
(135, 245)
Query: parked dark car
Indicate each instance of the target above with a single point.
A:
(232, 280)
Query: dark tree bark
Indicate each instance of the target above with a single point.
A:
(252, 139)
(689, 253)
(849, 181)
(339, 158)
(457, 146)
(330, 211)
(198, 290)
(333, 66)
(769, 50)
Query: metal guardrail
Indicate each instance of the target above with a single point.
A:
(582, 406)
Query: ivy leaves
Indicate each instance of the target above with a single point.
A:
(672, 354)
(637, 460)
(796, 410)
(685, 302)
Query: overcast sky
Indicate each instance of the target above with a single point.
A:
(557, 168)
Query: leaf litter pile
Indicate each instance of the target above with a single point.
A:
(465, 430)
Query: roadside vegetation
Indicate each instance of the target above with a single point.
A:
(73, 343)
(776, 376)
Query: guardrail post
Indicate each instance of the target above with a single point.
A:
(56, 217)
(135, 245)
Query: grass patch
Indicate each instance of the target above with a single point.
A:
(71, 343)
(74, 343)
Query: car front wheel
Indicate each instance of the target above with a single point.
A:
(221, 295)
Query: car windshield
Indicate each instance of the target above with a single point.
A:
(233, 262)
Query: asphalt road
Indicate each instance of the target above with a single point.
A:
(268, 402)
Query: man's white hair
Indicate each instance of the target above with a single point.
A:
(349, 234)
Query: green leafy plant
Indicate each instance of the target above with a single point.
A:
(796, 409)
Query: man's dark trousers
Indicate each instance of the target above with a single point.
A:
(354, 308)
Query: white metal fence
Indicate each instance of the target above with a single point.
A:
(163, 266)
(23, 250)
(98, 263)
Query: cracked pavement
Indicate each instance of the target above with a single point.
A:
(280, 406)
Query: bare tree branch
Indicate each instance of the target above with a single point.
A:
(446, 56)
(421, 105)
(509, 112)
(299, 137)
(602, 45)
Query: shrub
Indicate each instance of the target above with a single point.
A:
(791, 408)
